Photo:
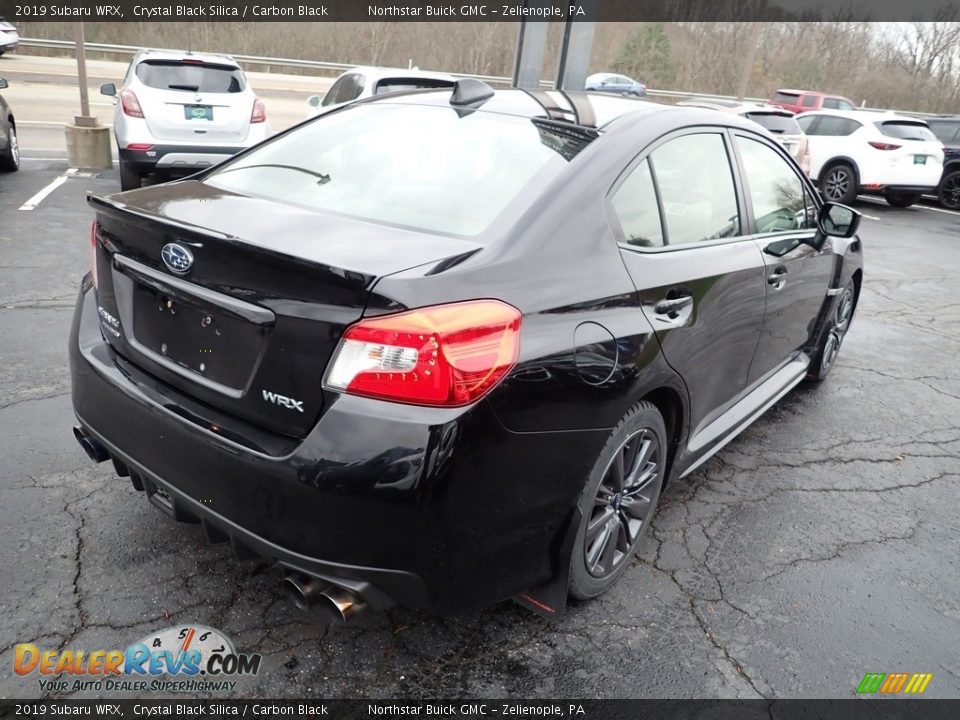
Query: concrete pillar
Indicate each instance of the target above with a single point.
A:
(88, 144)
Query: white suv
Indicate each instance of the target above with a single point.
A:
(182, 112)
(861, 152)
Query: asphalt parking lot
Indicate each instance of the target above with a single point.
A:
(816, 547)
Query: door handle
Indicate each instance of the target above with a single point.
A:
(672, 306)
(778, 277)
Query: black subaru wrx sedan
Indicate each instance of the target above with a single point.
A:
(441, 349)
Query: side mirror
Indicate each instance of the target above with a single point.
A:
(108, 89)
(836, 220)
(313, 101)
(3, 84)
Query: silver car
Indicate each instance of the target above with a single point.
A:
(363, 82)
(177, 113)
(9, 38)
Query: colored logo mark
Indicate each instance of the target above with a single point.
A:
(894, 683)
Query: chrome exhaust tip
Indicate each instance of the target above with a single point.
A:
(303, 590)
(92, 447)
(308, 592)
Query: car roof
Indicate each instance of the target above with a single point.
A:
(605, 109)
(865, 115)
(176, 55)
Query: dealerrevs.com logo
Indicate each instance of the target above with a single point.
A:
(189, 658)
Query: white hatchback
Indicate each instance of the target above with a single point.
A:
(862, 152)
(363, 82)
(182, 112)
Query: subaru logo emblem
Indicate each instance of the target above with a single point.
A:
(177, 258)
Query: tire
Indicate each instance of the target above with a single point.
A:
(10, 157)
(130, 179)
(949, 191)
(833, 336)
(603, 547)
(838, 183)
(902, 201)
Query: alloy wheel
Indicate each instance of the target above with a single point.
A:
(623, 504)
(837, 184)
(14, 147)
(841, 322)
(950, 192)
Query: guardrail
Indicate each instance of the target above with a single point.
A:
(671, 95)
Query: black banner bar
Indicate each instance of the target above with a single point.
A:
(892, 709)
(483, 10)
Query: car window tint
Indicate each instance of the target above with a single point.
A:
(776, 123)
(806, 123)
(389, 85)
(331, 97)
(906, 130)
(696, 189)
(788, 98)
(834, 125)
(776, 191)
(191, 77)
(636, 207)
(844, 105)
(831, 103)
(809, 101)
(946, 132)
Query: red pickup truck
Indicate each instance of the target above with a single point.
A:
(803, 100)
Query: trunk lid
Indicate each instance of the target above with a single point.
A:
(251, 301)
(196, 118)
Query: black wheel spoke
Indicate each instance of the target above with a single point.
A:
(617, 472)
(610, 548)
(636, 507)
(596, 524)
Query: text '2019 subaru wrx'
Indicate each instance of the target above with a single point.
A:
(440, 349)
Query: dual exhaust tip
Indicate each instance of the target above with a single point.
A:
(306, 592)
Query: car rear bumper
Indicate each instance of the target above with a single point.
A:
(897, 189)
(178, 158)
(441, 509)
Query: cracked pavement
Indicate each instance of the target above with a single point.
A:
(819, 545)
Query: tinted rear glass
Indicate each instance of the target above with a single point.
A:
(906, 130)
(777, 124)
(783, 97)
(946, 132)
(388, 85)
(414, 166)
(191, 77)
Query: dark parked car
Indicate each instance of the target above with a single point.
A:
(9, 148)
(947, 130)
(615, 85)
(444, 348)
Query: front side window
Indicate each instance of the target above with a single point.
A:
(777, 193)
(696, 187)
(636, 207)
(416, 166)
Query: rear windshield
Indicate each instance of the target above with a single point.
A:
(389, 85)
(191, 76)
(777, 124)
(423, 167)
(790, 98)
(905, 130)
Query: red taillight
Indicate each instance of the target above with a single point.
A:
(130, 104)
(93, 253)
(259, 113)
(445, 355)
(139, 146)
(884, 146)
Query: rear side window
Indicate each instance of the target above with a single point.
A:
(806, 122)
(775, 123)
(415, 166)
(788, 98)
(905, 130)
(809, 101)
(776, 191)
(835, 126)
(191, 76)
(636, 207)
(946, 132)
(344, 90)
(695, 181)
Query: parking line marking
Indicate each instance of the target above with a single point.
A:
(41, 196)
(943, 210)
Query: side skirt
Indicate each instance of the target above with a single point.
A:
(726, 427)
